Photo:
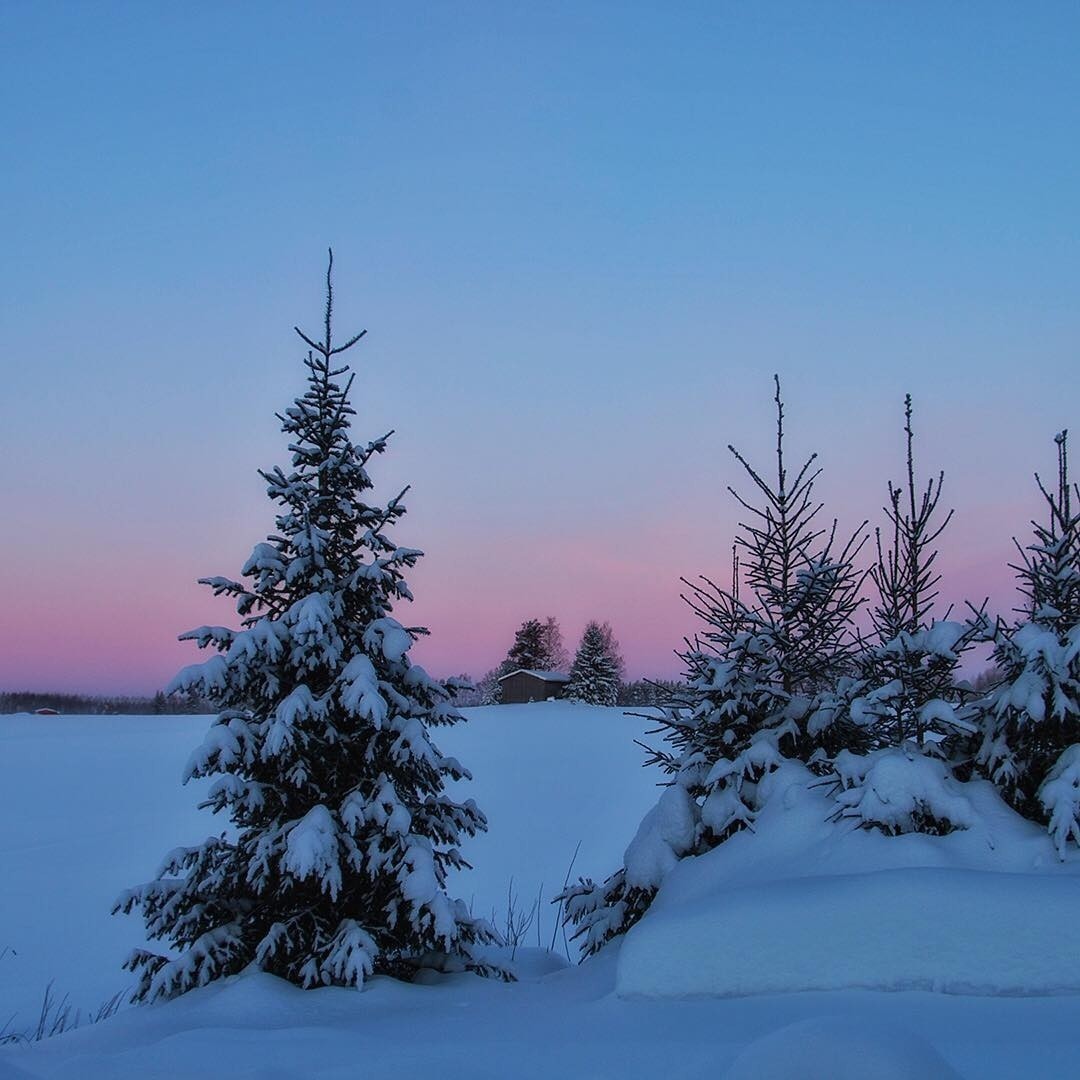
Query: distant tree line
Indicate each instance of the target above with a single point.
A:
(22, 701)
(642, 693)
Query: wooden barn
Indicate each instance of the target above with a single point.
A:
(519, 687)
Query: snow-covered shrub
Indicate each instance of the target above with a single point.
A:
(901, 791)
(1030, 720)
(669, 831)
(342, 834)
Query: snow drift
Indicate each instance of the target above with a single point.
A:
(808, 903)
(954, 931)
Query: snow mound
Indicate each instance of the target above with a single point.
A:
(806, 903)
(952, 931)
(831, 1048)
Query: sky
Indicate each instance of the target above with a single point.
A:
(581, 236)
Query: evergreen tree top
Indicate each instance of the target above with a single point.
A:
(1049, 567)
(803, 589)
(905, 573)
(329, 537)
(529, 651)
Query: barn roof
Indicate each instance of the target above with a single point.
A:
(544, 676)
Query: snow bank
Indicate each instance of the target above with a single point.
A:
(805, 903)
(87, 804)
(953, 931)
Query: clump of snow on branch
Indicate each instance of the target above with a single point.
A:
(898, 791)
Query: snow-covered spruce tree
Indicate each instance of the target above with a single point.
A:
(1030, 720)
(759, 675)
(342, 835)
(594, 676)
(905, 711)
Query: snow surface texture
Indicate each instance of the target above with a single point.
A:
(84, 802)
(805, 903)
(87, 805)
(90, 804)
(550, 776)
(562, 1024)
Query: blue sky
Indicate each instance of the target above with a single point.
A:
(581, 237)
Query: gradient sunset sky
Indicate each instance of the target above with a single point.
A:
(581, 236)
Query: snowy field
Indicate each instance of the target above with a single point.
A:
(89, 805)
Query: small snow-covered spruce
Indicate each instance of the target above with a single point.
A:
(759, 675)
(907, 702)
(1030, 720)
(341, 838)
(594, 676)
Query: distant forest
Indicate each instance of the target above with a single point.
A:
(640, 692)
(22, 701)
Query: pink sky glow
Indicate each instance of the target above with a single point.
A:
(84, 632)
